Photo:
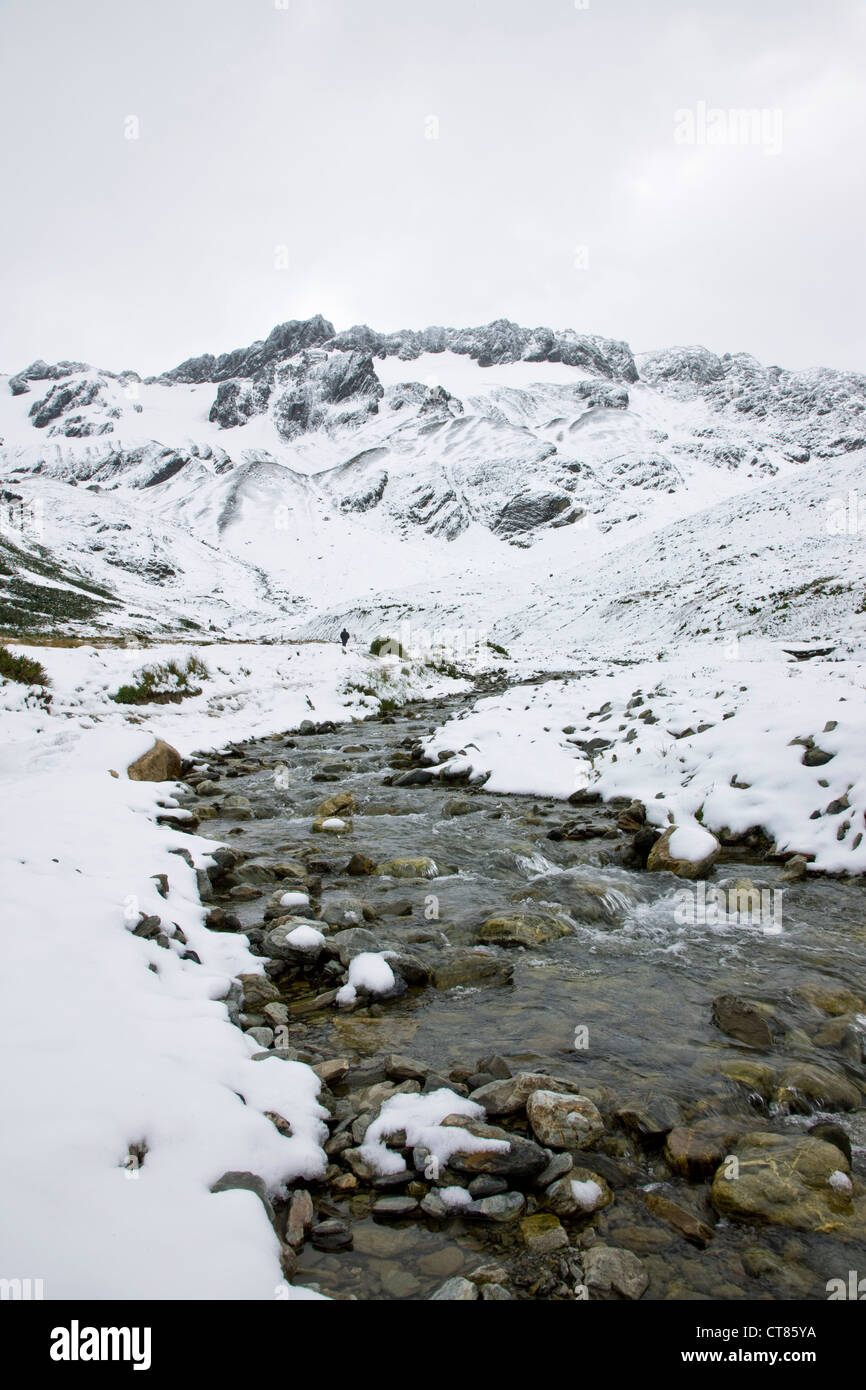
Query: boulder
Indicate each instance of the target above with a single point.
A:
(784, 1180)
(421, 867)
(756, 1076)
(579, 1193)
(805, 1087)
(509, 1095)
(520, 1162)
(649, 1116)
(527, 929)
(742, 1020)
(503, 1206)
(671, 849)
(471, 969)
(567, 1121)
(332, 825)
(455, 1291)
(340, 804)
(258, 990)
(161, 763)
(612, 1272)
(543, 1233)
(359, 865)
(685, 1223)
(695, 1151)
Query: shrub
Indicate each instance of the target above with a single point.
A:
(23, 669)
(386, 646)
(166, 683)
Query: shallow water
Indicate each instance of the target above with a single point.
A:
(624, 1001)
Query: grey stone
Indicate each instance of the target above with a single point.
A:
(456, 1290)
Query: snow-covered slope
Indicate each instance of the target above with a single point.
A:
(494, 473)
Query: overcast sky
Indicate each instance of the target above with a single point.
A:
(285, 166)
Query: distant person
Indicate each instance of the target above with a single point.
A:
(344, 638)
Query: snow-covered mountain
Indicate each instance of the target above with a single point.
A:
(539, 482)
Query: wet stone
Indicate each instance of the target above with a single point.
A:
(333, 1234)
(394, 1208)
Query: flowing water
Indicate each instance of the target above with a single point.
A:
(622, 1002)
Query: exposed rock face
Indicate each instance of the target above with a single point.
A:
(161, 763)
(61, 409)
(237, 401)
(41, 371)
(308, 391)
(518, 460)
(535, 507)
(736, 383)
(496, 343)
(283, 341)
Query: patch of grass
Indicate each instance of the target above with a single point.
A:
(166, 683)
(386, 646)
(495, 647)
(22, 669)
(69, 596)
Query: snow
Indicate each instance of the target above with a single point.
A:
(462, 376)
(293, 900)
(455, 1197)
(704, 552)
(109, 1052)
(420, 1117)
(691, 843)
(743, 769)
(370, 971)
(308, 938)
(587, 1194)
(840, 1182)
(252, 690)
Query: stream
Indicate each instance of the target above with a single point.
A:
(621, 1006)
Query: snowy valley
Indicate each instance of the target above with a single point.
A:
(624, 607)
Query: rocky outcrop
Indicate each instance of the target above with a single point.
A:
(62, 408)
(826, 403)
(321, 388)
(283, 341)
(496, 343)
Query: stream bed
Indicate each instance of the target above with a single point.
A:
(620, 1008)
